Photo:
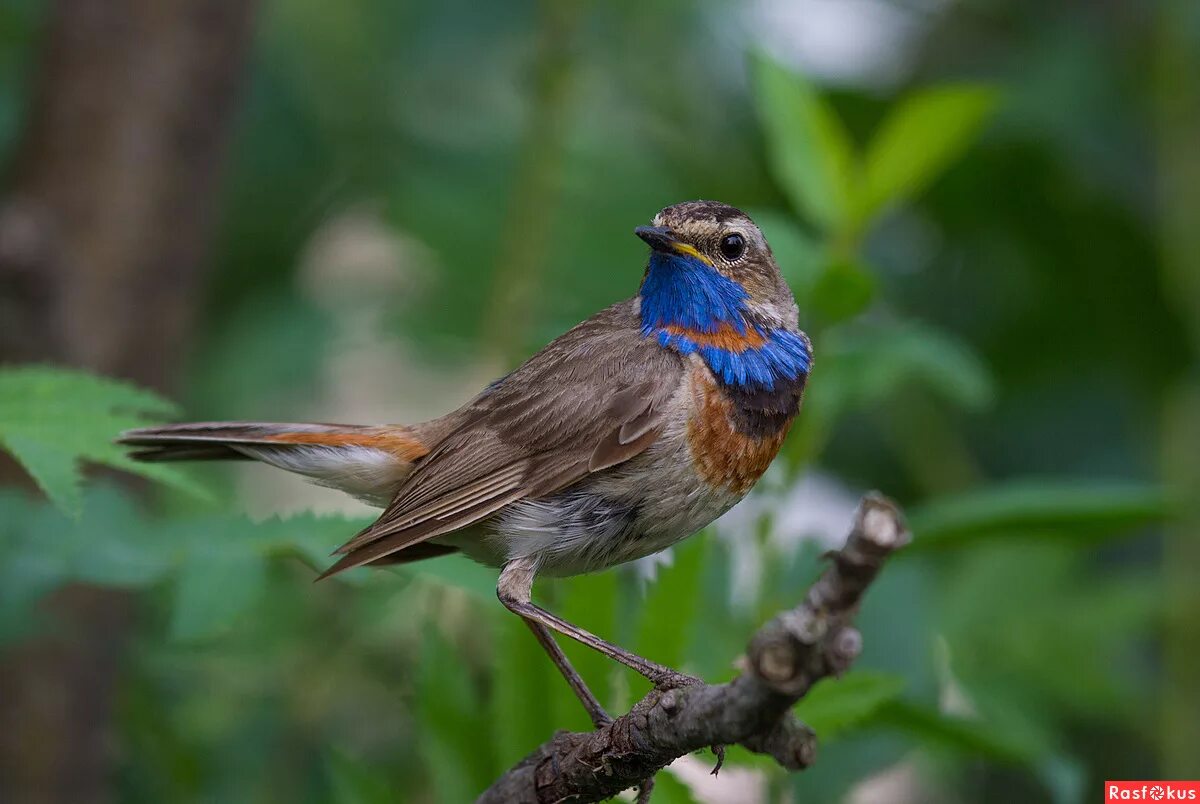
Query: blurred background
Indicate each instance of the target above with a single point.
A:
(363, 211)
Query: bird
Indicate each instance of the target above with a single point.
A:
(629, 432)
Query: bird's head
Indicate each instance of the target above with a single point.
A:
(711, 268)
(712, 288)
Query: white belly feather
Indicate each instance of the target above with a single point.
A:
(639, 508)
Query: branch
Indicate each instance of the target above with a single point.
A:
(785, 658)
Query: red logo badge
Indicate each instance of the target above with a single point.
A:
(1151, 791)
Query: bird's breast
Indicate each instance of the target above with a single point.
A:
(725, 454)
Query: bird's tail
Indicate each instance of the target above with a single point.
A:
(368, 462)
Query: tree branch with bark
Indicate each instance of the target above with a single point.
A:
(784, 659)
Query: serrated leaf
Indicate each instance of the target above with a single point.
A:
(808, 148)
(55, 470)
(176, 478)
(28, 393)
(1077, 509)
(44, 548)
(921, 136)
(29, 572)
(219, 559)
(51, 419)
(835, 706)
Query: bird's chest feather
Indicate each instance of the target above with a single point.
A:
(731, 441)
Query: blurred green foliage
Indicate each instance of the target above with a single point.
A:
(976, 262)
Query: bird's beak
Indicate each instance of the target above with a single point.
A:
(660, 238)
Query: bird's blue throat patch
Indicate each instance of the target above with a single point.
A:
(682, 291)
(691, 308)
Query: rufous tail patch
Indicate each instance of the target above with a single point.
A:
(400, 443)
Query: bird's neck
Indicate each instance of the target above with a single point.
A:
(692, 309)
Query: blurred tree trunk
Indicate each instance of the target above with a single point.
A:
(102, 238)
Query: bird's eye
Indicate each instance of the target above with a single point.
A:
(733, 246)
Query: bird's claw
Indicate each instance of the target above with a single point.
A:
(719, 751)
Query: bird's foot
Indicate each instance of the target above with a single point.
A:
(719, 751)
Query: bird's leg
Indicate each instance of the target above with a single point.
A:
(575, 681)
(515, 590)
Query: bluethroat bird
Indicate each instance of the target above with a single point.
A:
(629, 432)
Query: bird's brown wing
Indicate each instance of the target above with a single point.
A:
(593, 398)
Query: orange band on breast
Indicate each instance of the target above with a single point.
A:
(726, 337)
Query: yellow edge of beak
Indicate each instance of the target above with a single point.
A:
(690, 251)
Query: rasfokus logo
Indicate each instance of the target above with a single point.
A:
(1151, 791)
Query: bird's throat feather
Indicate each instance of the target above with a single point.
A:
(691, 308)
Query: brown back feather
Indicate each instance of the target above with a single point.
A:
(593, 398)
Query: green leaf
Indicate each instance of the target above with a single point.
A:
(923, 134)
(218, 560)
(44, 548)
(30, 569)
(52, 467)
(808, 149)
(835, 706)
(52, 419)
(1076, 509)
